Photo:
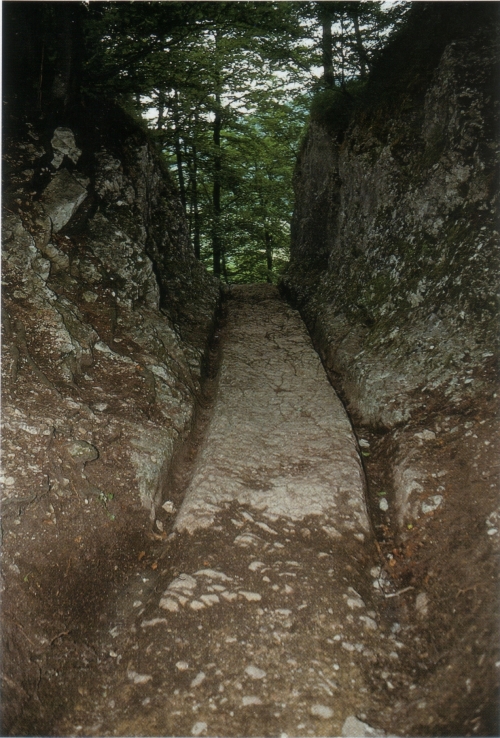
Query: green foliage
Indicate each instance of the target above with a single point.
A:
(334, 108)
(226, 88)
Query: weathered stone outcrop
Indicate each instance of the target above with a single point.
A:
(404, 198)
(405, 202)
(107, 318)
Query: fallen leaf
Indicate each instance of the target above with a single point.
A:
(154, 565)
(141, 555)
(78, 539)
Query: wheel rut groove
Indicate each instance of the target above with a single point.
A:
(262, 617)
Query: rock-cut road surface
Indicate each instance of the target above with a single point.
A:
(262, 618)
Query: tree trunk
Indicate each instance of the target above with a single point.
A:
(269, 255)
(342, 50)
(326, 47)
(67, 70)
(194, 195)
(178, 152)
(363, 56)
(216, 191)
(161, 110)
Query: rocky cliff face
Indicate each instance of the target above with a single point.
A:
(394, 268)
(404, 207)
(107, 318)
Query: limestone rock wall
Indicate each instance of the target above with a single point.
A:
(405, 312)
(106, 318)
(106, 311)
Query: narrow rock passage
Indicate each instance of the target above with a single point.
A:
(261, 618)
(279, 440)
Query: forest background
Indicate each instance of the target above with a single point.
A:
(226, 90)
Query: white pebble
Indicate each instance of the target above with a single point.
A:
(370, 623)
(166, 603)
(198, 728)
(139, 678)
(354, 602)
(421, 604)
(213, 574)
(154, 621)
(251, 596)
(196, 605)
(182, 665)
(254, 672)
(431, 503)
(250, 700)
(256, 565)
(229, 596)
(210, 599)
(199, 679)
(321, 711)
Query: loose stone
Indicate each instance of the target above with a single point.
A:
(198, 728)
(254, 672)
(250, 700)
(199, 679)
(166, 603)
(139, 678)
(321, 711)
(251, 596)
(209, 599)
(432, 503)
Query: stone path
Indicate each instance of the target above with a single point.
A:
(279, 440)
(262, 618)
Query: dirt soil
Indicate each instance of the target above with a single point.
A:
(294, 630)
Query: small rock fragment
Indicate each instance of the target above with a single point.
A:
(321, 711)
(167, 603)
(370, 623)
(209, 599)
(256, 565)
(431, 503)
(183, 582)
(182, 665)
(196, 605)
(154, 621)
(212, 574)
(425, 435)
(199, 679)
(354, 602)
(198, 728)
(138, 678)
(421, 604)
(83, 451)
(248, 700)
(251, 596)
(383, 504)
(354, 728)
(229, 596)
(254, 672)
